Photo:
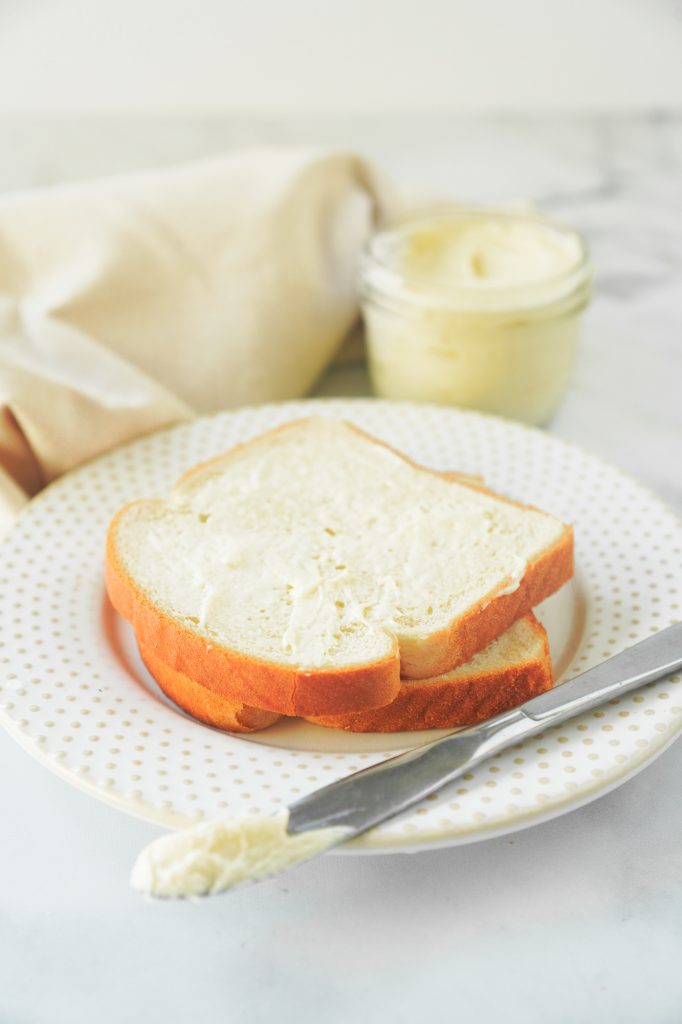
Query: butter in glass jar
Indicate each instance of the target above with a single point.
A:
(475, 308)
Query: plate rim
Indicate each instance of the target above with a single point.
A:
(369, 842)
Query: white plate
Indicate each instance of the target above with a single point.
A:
(75, 694)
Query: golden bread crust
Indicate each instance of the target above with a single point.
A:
(202, 703)
(448, 703)
(439, 703)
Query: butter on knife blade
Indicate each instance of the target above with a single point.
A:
(220, 854)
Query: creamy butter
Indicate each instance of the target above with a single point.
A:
(515, 578)
(221, 854)
(478, 309)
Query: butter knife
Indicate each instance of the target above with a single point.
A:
(217, 855)
(370, 796)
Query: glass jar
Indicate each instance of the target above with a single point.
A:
(475, 308)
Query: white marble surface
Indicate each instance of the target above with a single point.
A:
(577, 920)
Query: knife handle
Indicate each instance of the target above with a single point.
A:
(642, 663)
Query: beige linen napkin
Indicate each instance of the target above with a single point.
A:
(131, 303)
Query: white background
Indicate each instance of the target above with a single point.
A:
(301, 56)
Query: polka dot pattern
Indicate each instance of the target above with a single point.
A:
(74, 692)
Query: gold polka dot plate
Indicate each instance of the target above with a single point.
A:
(75, 694)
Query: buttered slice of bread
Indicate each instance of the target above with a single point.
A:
(511, 670)
(302, 572)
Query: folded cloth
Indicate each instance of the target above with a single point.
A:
(131, 303)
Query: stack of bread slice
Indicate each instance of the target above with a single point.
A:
(316, 572)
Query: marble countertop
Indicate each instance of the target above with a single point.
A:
(576, 920)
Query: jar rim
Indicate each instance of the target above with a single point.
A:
(378, 275)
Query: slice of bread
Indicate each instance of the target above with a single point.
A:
(302, 572)
(511, 670)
